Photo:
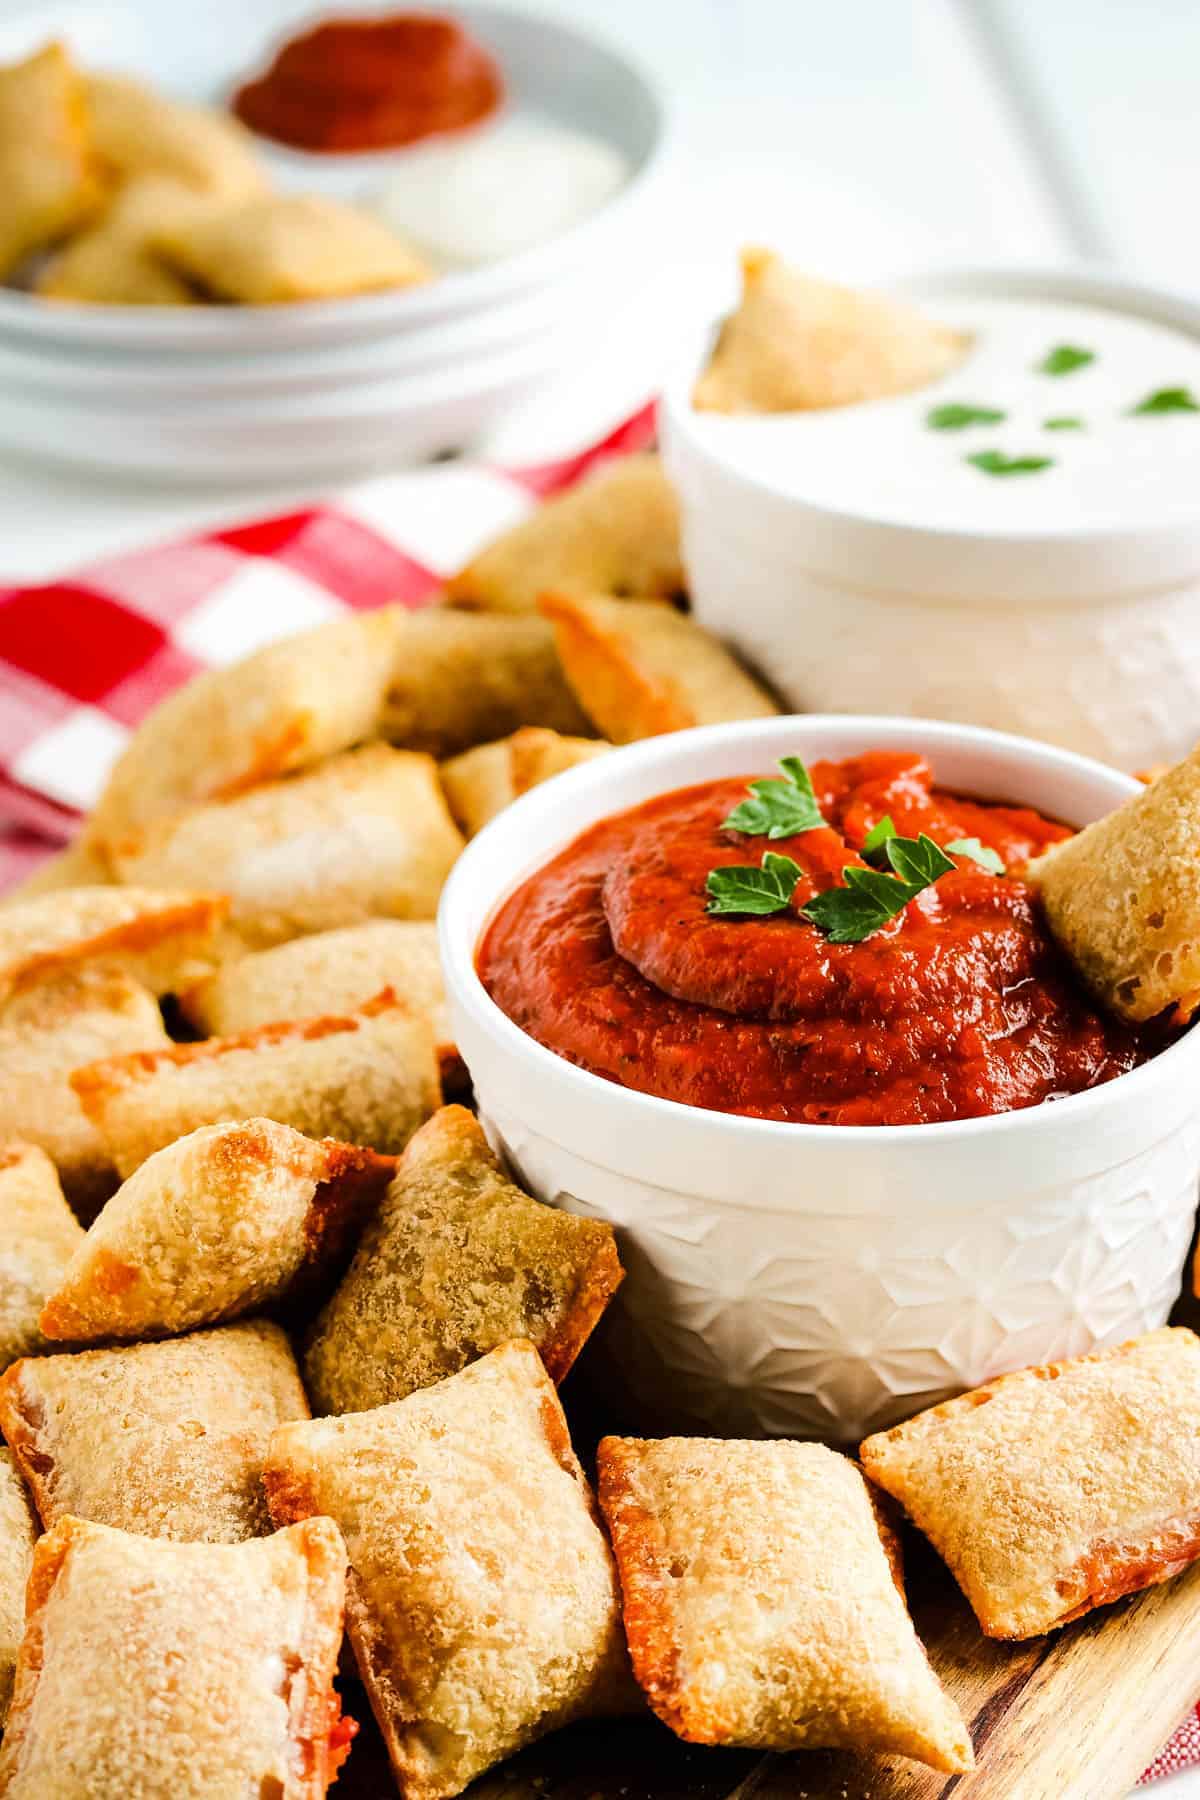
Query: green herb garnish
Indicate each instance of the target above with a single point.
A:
(1166, 400)
(995, 462)
(877, 837)
(847, 915)
(956, 417)
(979, 853)
(1063, 424)
(1064, 359)
(778, 809)
(745, 889)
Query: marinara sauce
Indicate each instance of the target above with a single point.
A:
(961, 1005)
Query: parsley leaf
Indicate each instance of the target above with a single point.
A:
(979, 853)
(778, 809)
(919, 862)
(1064, 359)
(995, 462)
(877, 837)
(745, 889)
(846, 915)
(956, 417)
(1166, 400)
(1063, 424)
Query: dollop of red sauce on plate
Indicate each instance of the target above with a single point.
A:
(372, 84)
(961, 1005)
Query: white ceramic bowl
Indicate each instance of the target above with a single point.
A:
(829, 1280)
(1085, 638)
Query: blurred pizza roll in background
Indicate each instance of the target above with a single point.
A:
(482, 782)
(163, 940)
(79, 865)
(133, 131)
(222, 1222)
(112, 264)
(46, 179)
(18, 1534)
(166, 1439)
(38, 1236)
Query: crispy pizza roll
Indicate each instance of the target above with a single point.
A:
(39, 1234)
(482, 1601)
(47, 1032)
(1057, 1489)
(640, 667)
(1123, 899)
(764, 1603)
(197, 1671)
(482, 782)
(165, 1439)
(18, 1534)
(47, 186)
(226, 1220)
(133, 131)
(288, 706)
(79, 865)
(796, 344)
(112, 264)
(615, 533)
(275, 248)
(368, 1077)
(456, 1261)
(163, 940)
(366, 835)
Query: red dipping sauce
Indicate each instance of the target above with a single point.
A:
(372, 84)
(961, 1005)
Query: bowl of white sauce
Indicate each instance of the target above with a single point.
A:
(1016, 545)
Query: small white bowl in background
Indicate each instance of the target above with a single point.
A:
(818, 1280)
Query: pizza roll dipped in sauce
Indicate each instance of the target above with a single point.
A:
(165, 1439)
(198, 1671)
(763, 1600)
(45, 176)
(617, 532)
(1057, 1489)
(482, 782)
(640, 667)
(163, 940)
(371, 1077)
(18, 1534)
(38, 1236)
(482, 1601)
(456, 1261)
(365, 835)
(225, 1221)
(796, 344)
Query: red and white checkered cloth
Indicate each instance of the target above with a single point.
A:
(84, 659)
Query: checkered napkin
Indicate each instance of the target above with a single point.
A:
(84, 659)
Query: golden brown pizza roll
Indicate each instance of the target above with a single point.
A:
(796, 344)
(18, 1534)
(150, 1669)
(456, 1260)
(1123, 898)
(763, 1600)
(38, 1236)
(47, 185)
(79, 865)
(46, 1033)
(112, 264)
(1057, 1489)
(370, 1077)
(288, 706)
(166, 1439)
(133, 131)
(482, 1600)
(223, 1222)
(641, 667)
(366, 835)
(482, 782)
(275, 248)
(163, 940)
(615, 533)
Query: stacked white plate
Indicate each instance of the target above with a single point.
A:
(335, 387)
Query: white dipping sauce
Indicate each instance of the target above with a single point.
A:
(500, 188)
(882, 459)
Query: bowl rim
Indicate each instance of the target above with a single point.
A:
(464, 987)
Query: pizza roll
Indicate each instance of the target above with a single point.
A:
(290, 705)
(18, 1534)
(198, 1671)
(166, 1439)
(370, 1077)
(365, 835)
(275, 248)
(615, 533)
(1123, 899)
(482, 1601)
(45, 177)
(641, 667)
(134, 131)
(79, 865)
(456, 1261)
(112, 264)
(38, 1236)
(482, 782)
(1057, 1489)
(796, 344)
(223, 1222)
(163, 940)
(48, 1032)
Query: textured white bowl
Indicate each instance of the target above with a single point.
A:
(826, 1280)
(1087, 639)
